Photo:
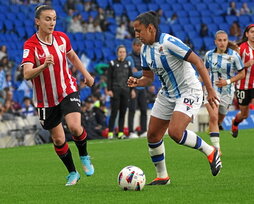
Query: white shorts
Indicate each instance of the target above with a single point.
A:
(189, 104)
(225, 99)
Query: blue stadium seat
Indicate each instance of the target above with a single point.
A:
(243, 19)
(184, 21)
(153, 7)
(177, 7)
(130, 7)
(181, 35)
(197, 43)
(195, 20)
(231, 19)
(206, 19)
(224, 26)
(132, 15)
(188, 28)
(164, 28)
(118, 9)
(212, 28)
(176, 28)
(193, 34)
(189, 7)
(142, 8)
(193, 13)
(102, 3)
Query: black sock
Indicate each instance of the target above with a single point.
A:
(65, 155)
(82, 147)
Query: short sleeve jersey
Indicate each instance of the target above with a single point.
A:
(55, 82)
(246, 53)
(167, 59)
(224, 66)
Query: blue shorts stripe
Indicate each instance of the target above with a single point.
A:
(198, 142)
(158, 158)
(154, 145)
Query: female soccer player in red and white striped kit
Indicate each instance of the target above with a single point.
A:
(245, 87)
(55, 90)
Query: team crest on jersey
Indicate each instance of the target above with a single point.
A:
(42, 56)
(61, 48)
(25, 53)
(230, 59)
(161, 50)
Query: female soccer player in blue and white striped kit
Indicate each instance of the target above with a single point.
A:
(180, 97)
(223, 63)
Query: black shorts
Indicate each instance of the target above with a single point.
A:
(244, 97)
(53, 116)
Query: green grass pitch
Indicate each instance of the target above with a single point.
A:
(36, 175)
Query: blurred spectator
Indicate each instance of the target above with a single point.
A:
(245, 10)
(7, 65)
(70, 4)
(160, 15)
(122, 32)
(88, 120)
(3, 51)
(235, 30)
(101, 18)
(172, 19)
(76, 24)
(2, 78)
(27, 107)
(232, 10)
(9, 97)
(203, 30)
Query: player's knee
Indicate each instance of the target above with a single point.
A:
(175, 134)
(75, 130)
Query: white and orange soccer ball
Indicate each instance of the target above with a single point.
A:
(131, 178)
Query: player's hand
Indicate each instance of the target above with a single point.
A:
(221, 82)
(48, 61)
(132, 82)
(212, 98)
(89, 81)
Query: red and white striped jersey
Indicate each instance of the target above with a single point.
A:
(246, 53)
(56, 81)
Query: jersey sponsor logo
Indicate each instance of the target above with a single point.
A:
(75, 99)
(188, 102)
(25, 53)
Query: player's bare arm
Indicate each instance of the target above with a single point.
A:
(30, 72)
(223, 82)
(72, 56)
(196, 60)
(145, 80)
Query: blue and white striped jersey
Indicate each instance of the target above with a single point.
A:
(223, 66)
(166, 58)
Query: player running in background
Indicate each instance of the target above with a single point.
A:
(55, 90)
(222, 64)
(245, 87)
(180, 97)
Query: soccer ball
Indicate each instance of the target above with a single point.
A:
(131, 178)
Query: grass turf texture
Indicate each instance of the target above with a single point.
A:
(36, 175)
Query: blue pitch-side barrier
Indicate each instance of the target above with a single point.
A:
(246, 124)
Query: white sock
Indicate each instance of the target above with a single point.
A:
(192, 140)
(215, 139)
(157, 153)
